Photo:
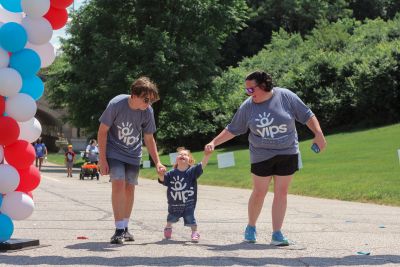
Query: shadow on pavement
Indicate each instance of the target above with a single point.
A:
(353, 260)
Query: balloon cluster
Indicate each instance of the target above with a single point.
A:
(26, 27)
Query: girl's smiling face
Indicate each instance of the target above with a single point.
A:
(183, 157)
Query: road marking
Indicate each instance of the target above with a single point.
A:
(55, 180)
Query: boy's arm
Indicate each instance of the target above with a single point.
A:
(152, 149)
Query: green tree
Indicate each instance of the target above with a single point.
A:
(267, 16)
(175, 42)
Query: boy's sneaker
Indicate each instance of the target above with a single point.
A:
(278, 239)
(195, 237)
(128, 236)
(168, 233)
(118, 237)
(250, 234)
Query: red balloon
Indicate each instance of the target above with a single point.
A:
(2, 105)
(61, 3)
(9, 130)
(19, 154)
(29, 179)
(57, 17)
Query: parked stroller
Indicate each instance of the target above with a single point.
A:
(89, 169)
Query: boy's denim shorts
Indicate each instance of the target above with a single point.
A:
(120, 170)
(188, 218)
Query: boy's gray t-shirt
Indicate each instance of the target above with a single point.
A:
(124, 139)
(271, 123)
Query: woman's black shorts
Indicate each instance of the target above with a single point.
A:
(282, 165)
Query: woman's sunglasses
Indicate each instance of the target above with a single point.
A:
(250, 90)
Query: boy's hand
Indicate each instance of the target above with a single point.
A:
(161, 168)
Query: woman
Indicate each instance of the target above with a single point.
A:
(92, 151)
(270, 114)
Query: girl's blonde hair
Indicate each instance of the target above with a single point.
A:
(191, 159)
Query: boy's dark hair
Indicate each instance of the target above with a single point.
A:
(263, 80)
(144, 87)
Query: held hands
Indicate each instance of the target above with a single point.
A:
(209, 148)
(161, 169)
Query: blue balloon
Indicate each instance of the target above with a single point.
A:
(12, 5)
(26, 62)
(13, 37)
(6, 228)
(33, 86)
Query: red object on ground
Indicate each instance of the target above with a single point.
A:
(20, 154)
(29, 179)
(57, 17)
(61, 3)
(9, 130)
(82, 237)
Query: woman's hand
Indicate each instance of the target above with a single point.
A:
(319, 139)
(209, 148)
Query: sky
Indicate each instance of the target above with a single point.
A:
(61, 33)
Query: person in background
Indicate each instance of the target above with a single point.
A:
(41, 153)
(92, 151)
(69, 160)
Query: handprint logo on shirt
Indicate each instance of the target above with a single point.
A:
(265, 127)
(125, 134)
(178, 187)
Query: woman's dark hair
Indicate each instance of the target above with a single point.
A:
(92, 141)
(263, 79)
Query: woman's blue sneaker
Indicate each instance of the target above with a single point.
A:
(250, 234)
(278, 239)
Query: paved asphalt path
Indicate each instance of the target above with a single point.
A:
(325, 232)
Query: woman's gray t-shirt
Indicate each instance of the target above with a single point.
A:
(271, 123)
(124, 139)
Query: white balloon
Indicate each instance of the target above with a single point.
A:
(10, 82)
(1, 153)
(9, 178)
(36, 8)
(4, 57)
(39, 30)
(21, 107)
(30, 130)
(17, 205)
(7, 16)
(46, 53)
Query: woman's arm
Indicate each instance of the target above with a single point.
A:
(319, 138)
(224, 136)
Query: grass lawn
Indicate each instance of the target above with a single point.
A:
(360, 166)
(59, 159)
